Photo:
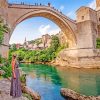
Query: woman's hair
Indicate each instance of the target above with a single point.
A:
(14, 56)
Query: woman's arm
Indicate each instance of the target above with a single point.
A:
(14, 75)
(13, 69)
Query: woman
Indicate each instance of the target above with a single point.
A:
(15, 90)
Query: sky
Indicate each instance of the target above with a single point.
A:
(35, 27)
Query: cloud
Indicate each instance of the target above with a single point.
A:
(92, 4)
(61, 7)
(69, 13)
(44, 29)
(55, 31)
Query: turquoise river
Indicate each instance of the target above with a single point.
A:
(48, 80)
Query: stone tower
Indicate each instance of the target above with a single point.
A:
(98, 15)
(87, 30)
(3, 4)
(98, 4)
(3, 8)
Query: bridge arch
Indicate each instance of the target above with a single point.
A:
(66, 25)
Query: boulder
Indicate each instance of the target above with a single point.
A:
(69, 94)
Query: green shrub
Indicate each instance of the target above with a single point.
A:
(44, 55)
(7, 70)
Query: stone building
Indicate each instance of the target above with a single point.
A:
(40, 43)
(25, 45)
(46, 40)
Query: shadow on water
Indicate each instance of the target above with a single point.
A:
(48, 80)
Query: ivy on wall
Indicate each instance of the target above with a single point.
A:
(3, 29)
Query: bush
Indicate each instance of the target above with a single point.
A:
(7, 70)
(23, 79)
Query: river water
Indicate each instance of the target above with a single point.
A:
(48, 80)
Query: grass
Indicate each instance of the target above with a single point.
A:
(27, 96)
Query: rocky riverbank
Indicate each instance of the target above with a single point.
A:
(69, 94)
(5, 91)
(77, 58)
(70, 58)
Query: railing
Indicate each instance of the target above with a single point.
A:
(10, 5)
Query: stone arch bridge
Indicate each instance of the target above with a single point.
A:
(81, 33)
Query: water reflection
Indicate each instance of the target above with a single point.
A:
(47, 80)
(84, 81)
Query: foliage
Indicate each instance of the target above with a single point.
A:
(13, 47)
(3, 29)
(55, 43)
(23, 78)
(98, 43)
(6, 67)
(27, 96)
(36, 41)
(45, 55)
(3, 60)
(7, 70)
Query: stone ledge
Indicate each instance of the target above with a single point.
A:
(72, 95)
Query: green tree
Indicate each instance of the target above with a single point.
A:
(47, 54)
(13, 47)
(54, 43)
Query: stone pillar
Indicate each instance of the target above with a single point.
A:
(87, 31)
(4, 48)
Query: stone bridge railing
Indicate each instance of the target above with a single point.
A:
(26, 6)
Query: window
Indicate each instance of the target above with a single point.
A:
(82, 17)
(99, 19)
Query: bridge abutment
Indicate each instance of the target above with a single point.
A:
(86, 55)
(87, 31)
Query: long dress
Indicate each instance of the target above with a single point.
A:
(15, 89)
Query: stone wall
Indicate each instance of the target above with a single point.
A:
(73, 58)
(63, 39)
(98, 19)
(4, 51)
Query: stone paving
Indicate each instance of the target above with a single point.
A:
(5, 91)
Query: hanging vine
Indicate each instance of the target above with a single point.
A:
(3, 28)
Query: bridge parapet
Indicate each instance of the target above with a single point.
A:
(25, 6)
